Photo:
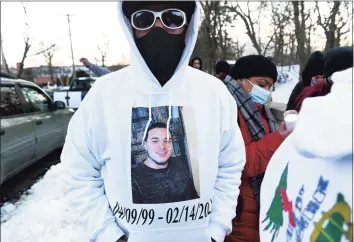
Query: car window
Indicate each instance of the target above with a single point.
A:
(10, 103)
(37, 101)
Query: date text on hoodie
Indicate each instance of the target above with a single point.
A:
(172, 215)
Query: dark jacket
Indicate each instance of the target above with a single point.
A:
(296, 91)
(320, 89)
(313, 67)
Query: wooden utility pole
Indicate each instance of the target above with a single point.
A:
(71, 44)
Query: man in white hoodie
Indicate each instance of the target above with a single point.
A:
(307, 190)
(97, 152)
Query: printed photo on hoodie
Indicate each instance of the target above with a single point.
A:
(162, 170)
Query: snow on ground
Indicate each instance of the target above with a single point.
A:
(288, 76)
(42, 215)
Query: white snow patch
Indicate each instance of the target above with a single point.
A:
(43, 215)
(288, 77)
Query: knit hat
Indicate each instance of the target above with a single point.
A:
(338, 59)
(129, 7)
(314, 67)
(252, 66)
(222, 66)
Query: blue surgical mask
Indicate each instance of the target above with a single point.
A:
(258, 94)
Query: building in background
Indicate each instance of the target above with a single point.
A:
(41, 74)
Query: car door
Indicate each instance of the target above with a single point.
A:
(47, 128)
(17, 133)
(71, 98)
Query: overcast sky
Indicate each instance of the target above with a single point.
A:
(92, 24)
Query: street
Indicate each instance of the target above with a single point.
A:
(12, 189)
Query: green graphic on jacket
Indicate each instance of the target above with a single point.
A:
(279, 204)
(334, 224)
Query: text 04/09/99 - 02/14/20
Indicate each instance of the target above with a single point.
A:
(173, 215)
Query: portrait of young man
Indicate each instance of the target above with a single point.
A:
(161, 178)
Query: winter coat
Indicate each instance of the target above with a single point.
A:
(258, 154)
(320, 89)
(294, 94)
(314, 67)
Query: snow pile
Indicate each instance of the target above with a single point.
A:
(288, 76)
(42, 215)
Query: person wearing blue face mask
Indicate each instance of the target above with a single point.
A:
(249, 82)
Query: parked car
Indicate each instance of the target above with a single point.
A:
(73, 96)
(32, 125)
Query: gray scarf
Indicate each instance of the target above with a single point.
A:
(249, 110)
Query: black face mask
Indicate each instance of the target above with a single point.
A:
(162, 52)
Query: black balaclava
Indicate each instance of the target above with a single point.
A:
(162, 52)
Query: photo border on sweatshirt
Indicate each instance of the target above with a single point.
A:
(164, 171)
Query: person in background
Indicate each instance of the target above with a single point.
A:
(81, 73)
(249, 82)
(196, 63)
(322, 87)
(98, 70)
(309, 180)
(312, 73)
(222, 69)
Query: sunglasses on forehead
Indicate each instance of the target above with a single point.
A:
(171, 18)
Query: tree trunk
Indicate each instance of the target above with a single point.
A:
(332, 27)
(20, 71)
(51, 71)
(300, 33)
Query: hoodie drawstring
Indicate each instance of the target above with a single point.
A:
(150, 114)
(169, 115)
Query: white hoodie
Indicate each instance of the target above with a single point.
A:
(307, 191)
(97, 153)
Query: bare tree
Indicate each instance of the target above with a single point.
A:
(96, 60)
(280, 19)
(333, 24)
(301, 19)
(48, 53)
(3, 59)
(103, 52)
(226, 46)
(252, 20)
(239, 49)
(214, 41)
(27, 40)
(209, 27)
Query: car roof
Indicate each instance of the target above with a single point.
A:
(7, 75)
(5, 80)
